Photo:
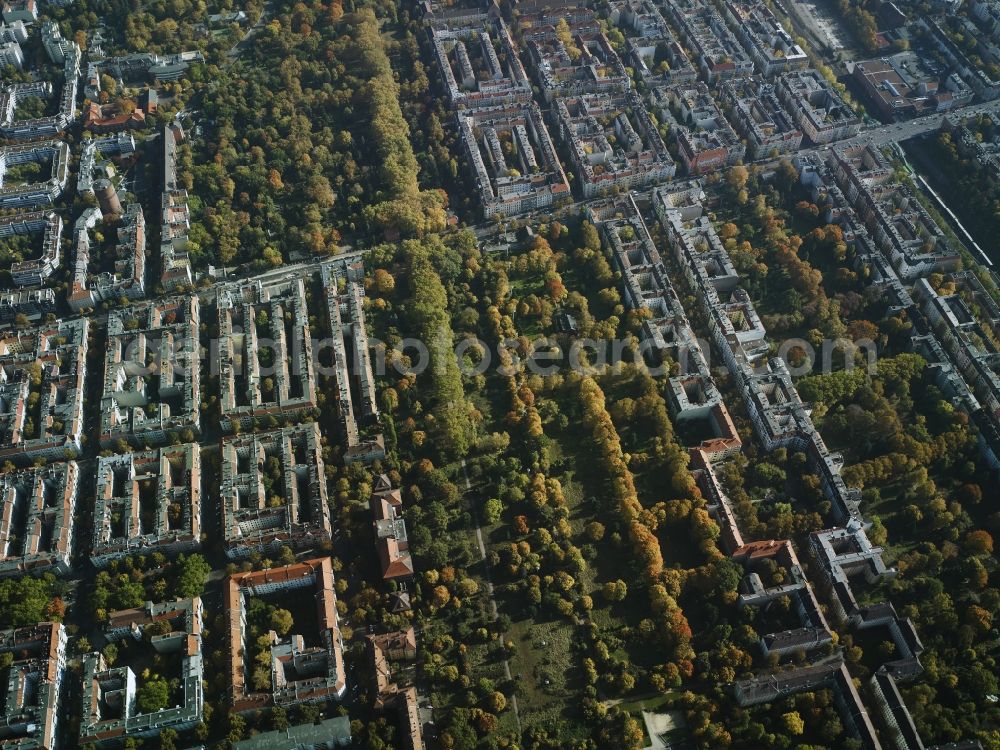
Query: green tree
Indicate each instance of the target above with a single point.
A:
(153, 694)
(281, 621)
(192, 576)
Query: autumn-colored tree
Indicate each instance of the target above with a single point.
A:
(979, 542)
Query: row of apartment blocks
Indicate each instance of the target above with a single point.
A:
(780, 419)
(510, 153)
(175, 271)
(816, 175)
(354, 377)
(273, 493)
(396, 646)
(146, 501)
(668, 338)
(613, 143)
(151, 383)
(739, 335)
(304, 668)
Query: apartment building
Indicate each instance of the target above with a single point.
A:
(811, 630)
(56, 46)
(34, 194)
(265, 357)
(591, 123)
(147, 501)
(818, 108)
(757, 114)
(31, 303)
(152, 386)
(36, 271)
(49, 362)
(33, 705)
(175, 221)
(899, 224)
(772, 49)
(705, 139)
(36, 519)
(588, 65)
(11, 55)
(971, 71)
(719, 55)
(23, 11)
(42, 127)
(273, 491)
(302, 671)
(651, 49)
(127, 277)
(479, 62)
(110, 711)
(512, 159)
(966, 321)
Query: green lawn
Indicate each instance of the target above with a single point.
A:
(546, 668)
